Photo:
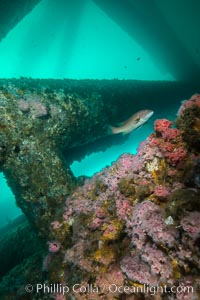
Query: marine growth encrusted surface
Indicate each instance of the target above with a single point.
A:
(132, 231)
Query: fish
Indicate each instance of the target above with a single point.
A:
(134, 122)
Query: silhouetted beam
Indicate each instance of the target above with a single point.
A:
(146, 24)
(18, 241)
(11, 12)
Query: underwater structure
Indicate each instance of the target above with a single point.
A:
(131, 231)
(12, 12)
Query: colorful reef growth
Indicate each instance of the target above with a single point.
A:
(132, 231)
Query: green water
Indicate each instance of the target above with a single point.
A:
(74, 39)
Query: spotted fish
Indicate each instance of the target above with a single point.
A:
(135, 121)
